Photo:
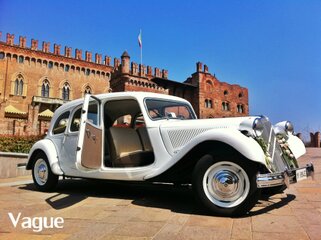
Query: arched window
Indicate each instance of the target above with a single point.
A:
(87, 90)
(18, 86)
(225, 106)
(240, 108)
(208, 103)
(45, 88)
(21, 59)
(66, 92)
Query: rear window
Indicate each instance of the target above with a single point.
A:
(61, 123)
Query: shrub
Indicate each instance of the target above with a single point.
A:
(18, 144)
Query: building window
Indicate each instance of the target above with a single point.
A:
(87, 72)
(45, 88)
(240, 95)
(67, 68)
(240, 108)
(225, 106)
(66, 92)
(1, 55)
(50, 64)
(21, 59)
(208, 103)
(18, 86)
(87, 90)
(225, 93)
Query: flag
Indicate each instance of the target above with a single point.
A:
(140, 43)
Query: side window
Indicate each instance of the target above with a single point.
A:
(93, 114)
(75, 122)
(61, 123)
(177, 112)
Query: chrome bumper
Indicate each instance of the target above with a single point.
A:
(284, 178)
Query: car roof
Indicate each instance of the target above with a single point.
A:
(105, 96)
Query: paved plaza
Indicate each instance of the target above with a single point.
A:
(104, 210)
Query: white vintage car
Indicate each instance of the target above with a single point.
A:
(139, 136)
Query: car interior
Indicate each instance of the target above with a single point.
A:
(127, 143)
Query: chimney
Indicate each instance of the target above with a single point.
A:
(199, 66)
(205, 68)
(149, 71)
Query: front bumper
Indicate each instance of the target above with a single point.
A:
(284, 178)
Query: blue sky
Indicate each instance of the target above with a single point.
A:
(271, 47)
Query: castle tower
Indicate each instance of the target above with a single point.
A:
(125, 61)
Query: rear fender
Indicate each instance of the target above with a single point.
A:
(47, 147)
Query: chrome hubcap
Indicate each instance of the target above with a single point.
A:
(41, 171)
(226, 184)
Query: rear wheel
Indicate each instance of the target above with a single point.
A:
(44, 179)
(226, 188)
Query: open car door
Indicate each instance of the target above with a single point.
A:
(89, 148)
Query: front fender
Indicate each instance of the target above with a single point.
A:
(296, 145)
(48, 147)
(246, 146)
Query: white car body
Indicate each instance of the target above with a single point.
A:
(82, 152)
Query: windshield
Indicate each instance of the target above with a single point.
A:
(165, 109)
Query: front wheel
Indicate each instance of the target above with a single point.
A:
(44, 179)
(226, 188)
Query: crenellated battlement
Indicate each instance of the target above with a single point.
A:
(136, 69)
(34, 45)
(123, 65)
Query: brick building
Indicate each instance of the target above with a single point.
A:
(35, 81)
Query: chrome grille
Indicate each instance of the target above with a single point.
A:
(273, 146)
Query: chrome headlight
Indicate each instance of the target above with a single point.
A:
(289, 127)
(258, 127)
(285, 127)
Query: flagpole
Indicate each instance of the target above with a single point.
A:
(141, 50)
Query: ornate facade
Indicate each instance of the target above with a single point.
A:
(35, 81)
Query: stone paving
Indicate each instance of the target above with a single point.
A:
(103, 210)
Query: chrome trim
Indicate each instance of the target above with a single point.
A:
(282, 178)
